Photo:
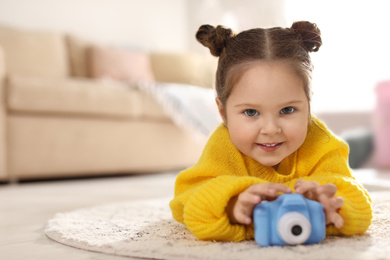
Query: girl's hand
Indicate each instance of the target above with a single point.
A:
(240, 208)
(325, 195)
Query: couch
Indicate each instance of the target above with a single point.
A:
(67, 108)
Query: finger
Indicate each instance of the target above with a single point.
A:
(331, 203)
(331, 206)
(243, 211)
(307, 186)
(268, 194)
(335, 219)
(242, 218)
(338, 221)
(278, 187)
(310, 195)
(269, 189)
(248, 199)
(337, 202)
(298, 183)
(328, 189)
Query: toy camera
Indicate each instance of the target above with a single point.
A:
(291, 219)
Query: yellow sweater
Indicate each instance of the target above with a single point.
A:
(222, 172)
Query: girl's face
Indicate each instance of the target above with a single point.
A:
(267, 112)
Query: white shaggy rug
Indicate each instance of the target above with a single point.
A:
(145, 229)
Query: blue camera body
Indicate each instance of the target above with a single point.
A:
(291, 219)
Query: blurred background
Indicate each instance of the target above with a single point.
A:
(353, 60)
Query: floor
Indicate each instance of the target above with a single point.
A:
(26, 207)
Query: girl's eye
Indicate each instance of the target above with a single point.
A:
(287, 110)
(251, 112)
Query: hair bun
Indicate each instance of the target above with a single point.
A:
(310, 35)
(214, 38)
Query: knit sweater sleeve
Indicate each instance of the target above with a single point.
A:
(328, 163)
(203, 191)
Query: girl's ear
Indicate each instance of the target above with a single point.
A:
(221, 109)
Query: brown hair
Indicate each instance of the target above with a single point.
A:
(236, 52)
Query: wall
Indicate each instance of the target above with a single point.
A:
(149, 24)
(146, 24)
(237, 15)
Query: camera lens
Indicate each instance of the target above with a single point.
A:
(296, 230)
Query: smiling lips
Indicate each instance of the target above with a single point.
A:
(270, 147)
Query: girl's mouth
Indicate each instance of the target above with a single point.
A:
(270, 147)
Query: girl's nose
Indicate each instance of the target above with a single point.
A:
(270, 127)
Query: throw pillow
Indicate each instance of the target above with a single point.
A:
(118, 64)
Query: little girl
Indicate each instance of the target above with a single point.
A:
(268, 143)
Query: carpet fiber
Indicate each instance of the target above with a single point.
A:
(145, 229)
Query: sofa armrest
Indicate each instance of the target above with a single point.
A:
(3, 140)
